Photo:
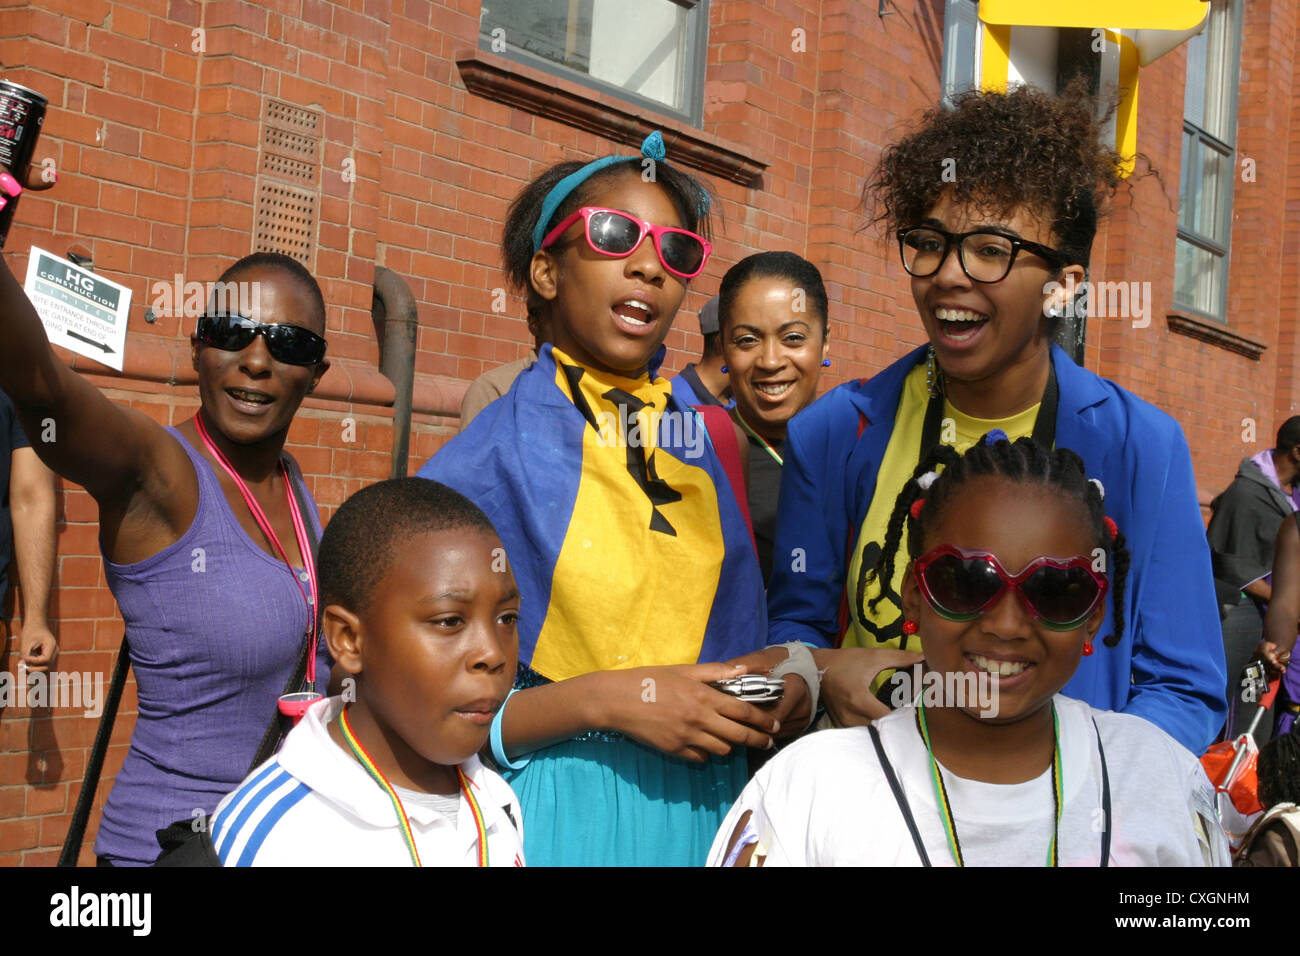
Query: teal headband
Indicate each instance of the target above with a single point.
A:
(651, 148)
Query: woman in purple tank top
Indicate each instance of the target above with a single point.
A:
(216, 615)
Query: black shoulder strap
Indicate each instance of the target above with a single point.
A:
(899, 796)
(1105, 798)
(1044, 423)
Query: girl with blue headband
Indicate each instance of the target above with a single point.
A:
(636, 570)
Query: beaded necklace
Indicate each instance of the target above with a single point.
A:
(945, 807)
(363, 757)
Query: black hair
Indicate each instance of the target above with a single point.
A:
(1288, 436)
(287, 264)
(1278, 769)
(1024, 461)
(774, 265)
(363, 538)
(688, 194)
(1005, 148)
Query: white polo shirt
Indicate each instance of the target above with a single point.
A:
(825, 801)
(313, 805)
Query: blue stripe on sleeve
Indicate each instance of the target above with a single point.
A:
(219, 831)
(286, 803)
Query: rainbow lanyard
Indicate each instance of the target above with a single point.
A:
(945, 808)
(776, 457)
(364, 758)
(299, 532)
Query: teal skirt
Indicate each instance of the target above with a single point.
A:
(606, 800)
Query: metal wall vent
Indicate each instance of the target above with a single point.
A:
(286, 221)
(288, 182)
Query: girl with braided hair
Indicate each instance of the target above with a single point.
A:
(1009, 559)
(991, 259)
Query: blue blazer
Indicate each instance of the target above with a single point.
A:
(1169, 666)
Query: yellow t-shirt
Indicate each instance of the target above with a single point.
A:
(883, 626)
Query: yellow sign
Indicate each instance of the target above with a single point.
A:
(1116, 14)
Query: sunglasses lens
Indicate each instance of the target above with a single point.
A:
(682, 252)
(609, 232)
(960, 586)
(293, 345)
(229, 333)
(1061, 596)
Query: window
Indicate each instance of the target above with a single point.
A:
(961, 38)
(1209, 163)
(648, 52)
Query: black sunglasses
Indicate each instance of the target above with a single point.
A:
(289, 344)
(985, 255)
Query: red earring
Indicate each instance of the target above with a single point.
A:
(910, 627)
(1087, 648)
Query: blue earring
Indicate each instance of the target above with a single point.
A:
(826, 363)
(724, 370)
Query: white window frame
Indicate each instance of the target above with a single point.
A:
(696, 45)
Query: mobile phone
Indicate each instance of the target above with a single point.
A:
(752, 688)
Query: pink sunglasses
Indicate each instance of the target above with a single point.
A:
(618, 235)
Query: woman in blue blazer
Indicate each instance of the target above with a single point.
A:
(994, 253)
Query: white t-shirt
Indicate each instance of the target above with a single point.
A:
(825, 801)
(313, 805)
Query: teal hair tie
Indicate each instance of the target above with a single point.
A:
(652, 147)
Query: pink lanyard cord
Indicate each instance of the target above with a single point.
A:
(299, 531)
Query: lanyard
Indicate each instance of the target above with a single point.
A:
(299, 531)
(776, 457)
(366, 761)
(945, 808)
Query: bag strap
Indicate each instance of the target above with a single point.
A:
(722, 433)
(281, 725)
(899, 796)
(95, 764)
(1105, 798)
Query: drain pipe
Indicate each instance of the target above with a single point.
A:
(396, 319)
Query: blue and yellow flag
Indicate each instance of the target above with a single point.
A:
(620, 526)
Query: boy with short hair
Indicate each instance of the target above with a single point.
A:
(419, 608)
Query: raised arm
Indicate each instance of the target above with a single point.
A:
(122, 457)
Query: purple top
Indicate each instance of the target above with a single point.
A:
(216, 627)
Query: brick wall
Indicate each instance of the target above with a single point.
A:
(155, 138)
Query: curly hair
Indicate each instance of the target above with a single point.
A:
(688, 195)
(1022, 147)
(1024, 461)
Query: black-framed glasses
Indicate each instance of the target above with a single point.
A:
(985, 255)
(289, 344)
